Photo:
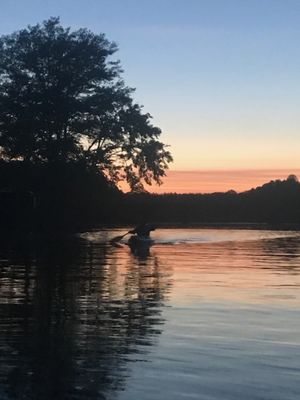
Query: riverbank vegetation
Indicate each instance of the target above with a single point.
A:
(70, 197)
(70, 132)
(70, 129)
(275, 202)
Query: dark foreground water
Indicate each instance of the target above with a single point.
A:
(205, 314)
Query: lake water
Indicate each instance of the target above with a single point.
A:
(209, 314)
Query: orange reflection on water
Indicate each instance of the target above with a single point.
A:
(260, 271)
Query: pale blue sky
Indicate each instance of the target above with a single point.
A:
(220, 77)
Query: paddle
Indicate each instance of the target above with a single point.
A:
(118, 238)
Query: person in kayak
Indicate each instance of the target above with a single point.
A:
(143, 230)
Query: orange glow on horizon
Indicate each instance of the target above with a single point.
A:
(209, 181)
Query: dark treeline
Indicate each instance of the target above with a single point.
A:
(275, 202)
(72, 197)
(66, 196)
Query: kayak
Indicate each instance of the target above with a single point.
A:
(139, 242)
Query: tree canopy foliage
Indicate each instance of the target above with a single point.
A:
(62, 99)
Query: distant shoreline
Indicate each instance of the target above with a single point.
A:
(206, 225)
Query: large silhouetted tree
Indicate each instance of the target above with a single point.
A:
(62, 99)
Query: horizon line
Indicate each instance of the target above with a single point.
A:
(207, 181)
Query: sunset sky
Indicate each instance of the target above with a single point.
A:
(220, 77)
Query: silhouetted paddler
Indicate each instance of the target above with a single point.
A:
(143, 229)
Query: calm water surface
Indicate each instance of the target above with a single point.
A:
(205, 314)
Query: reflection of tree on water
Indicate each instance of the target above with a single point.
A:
(71, 317)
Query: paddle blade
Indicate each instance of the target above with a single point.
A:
(118, 238)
